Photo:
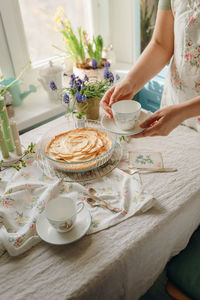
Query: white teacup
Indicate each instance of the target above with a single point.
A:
(61, 212)
(125, 113)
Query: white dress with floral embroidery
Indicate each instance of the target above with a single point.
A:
(183, 77)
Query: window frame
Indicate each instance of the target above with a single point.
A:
(14, 53)
(14, 39)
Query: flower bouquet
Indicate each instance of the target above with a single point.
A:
(86, 54)
(83, 96)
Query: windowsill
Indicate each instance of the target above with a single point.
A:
(37, 108)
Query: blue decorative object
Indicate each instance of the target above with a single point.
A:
(15, 91)
(150, 96)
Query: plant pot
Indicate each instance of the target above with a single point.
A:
(90, 107)
(95, 74)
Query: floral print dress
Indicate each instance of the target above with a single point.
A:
(183, 77)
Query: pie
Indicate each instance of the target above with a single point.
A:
(79, 148)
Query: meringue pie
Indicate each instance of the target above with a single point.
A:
(79, 148)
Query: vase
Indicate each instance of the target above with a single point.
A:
(90, 107)
(79, 123)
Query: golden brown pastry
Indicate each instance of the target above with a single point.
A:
(79, 146)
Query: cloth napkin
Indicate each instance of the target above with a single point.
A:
(23, 196)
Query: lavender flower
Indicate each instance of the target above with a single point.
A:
(107, 64)
(53, 85)
(94, 63)
(108, 75)
(72, 76)
(111, 77)
(66, 98)
(85, 78)
(80, 98)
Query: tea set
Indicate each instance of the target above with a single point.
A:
(65, 220)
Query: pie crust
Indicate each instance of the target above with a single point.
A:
(79, 149)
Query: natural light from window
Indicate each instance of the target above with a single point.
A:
(39, 26)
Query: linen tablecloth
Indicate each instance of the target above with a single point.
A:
(123, 261)
(23, 196)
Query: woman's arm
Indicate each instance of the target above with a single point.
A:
(158, 52)
(163, 121)
(156, 55)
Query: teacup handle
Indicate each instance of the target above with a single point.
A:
(81, 204)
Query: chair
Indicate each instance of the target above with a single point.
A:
(183, 271)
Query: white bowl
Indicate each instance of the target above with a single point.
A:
(125, 113)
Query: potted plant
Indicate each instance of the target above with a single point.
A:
(86, 54)
(84, 95)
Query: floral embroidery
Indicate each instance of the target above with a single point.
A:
(21, 219)
(192, 54)
(7, 202)
(139, 196)
(95, 222)
(66, 188)
(18, 241)
(84, 198)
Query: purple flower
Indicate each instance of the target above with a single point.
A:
(72, 76)
(111, 77)
(80, 98)
(94, 63)
(85, 78)
(117, 77)
(107, 64)
(53, 85)
(66, 98)
(106, 74)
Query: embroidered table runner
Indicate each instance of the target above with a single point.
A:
(23, 196)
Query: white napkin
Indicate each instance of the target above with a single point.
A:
(23, 196)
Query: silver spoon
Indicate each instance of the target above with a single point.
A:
(94, 203)
(93, 193)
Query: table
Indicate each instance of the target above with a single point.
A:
(123, 261)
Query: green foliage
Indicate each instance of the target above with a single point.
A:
(97, 88)
(74, 46)
(21, 162)
(146, 26)
(79, 115)
(95, 49)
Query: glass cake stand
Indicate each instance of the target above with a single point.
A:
(50, 171)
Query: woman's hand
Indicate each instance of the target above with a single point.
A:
(122, 91)
(162, 122)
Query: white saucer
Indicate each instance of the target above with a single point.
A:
(50, 235)
(109, 124)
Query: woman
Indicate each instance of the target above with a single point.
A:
(176, 38)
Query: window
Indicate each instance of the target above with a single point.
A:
(39, 26)
(26, 33)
